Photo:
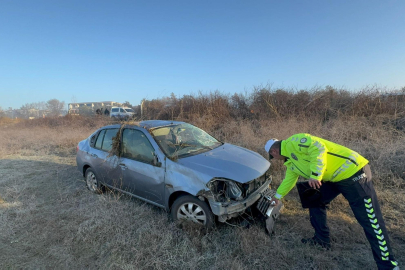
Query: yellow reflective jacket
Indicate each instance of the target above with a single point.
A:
(313, 157)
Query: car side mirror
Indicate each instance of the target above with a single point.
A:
(156, 161)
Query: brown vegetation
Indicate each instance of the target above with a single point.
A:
(265, 102)
(49, 219)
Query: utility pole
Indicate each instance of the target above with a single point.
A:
(142, 108)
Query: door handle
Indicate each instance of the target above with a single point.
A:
(94, 155)
(122, 165)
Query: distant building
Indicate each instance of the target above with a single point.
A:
(90, 107)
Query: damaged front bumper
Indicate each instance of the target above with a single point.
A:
(269, 210)
(226, 210)
(272, 214)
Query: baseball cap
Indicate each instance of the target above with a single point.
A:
(268, 145)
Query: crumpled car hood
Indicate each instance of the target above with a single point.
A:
(228, 161)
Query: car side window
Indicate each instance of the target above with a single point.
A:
(114, 110)
(108, 139)
(100, 138)
(121, 110)
(135, 145)
(93, 139)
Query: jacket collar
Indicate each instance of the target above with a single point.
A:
(283, 148)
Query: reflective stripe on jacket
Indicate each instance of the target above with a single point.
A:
(313, 157)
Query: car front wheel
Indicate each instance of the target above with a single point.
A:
(91, 181)
(192, 209)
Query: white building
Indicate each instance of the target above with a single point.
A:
(87, 107)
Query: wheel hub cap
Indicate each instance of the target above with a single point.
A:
(193, 212)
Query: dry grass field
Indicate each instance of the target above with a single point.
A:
(49, 220)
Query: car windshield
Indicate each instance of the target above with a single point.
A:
(178, 141)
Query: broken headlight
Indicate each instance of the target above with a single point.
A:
(225, 190)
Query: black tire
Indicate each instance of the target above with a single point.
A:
(203, 216)
(92, 182)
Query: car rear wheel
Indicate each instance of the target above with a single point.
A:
(91, 181)
(192, 209)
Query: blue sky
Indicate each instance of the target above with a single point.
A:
(130, 50)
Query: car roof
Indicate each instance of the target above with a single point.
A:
(111, 126)
(158, 123)
(147, 124)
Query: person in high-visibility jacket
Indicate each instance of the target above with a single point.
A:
(333, 169)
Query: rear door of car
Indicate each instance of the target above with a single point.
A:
(106, 166)
(92, 157)
(141, 168)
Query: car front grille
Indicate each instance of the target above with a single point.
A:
(253, 185)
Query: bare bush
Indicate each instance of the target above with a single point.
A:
(264, 102)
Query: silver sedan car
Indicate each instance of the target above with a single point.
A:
(176, 166)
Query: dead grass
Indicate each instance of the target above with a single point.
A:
(48, 219)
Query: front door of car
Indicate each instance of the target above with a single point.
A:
(142, 173)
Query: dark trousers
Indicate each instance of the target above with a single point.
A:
(360, 193)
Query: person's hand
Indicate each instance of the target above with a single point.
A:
(274, 201)
(313, 183)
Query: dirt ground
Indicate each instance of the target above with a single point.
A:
(48, 219)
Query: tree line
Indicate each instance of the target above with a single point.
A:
(266, 102)
(52, 107)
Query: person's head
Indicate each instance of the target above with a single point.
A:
(273, 147)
